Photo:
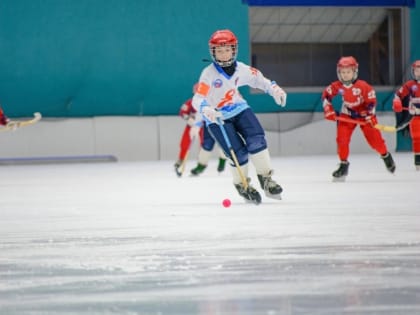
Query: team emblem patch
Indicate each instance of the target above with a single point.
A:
(217, 83)
(356, 91)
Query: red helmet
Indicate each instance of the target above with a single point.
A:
(416, 64)
(223, 38)
(348, 62)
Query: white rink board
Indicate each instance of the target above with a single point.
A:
(131, 138)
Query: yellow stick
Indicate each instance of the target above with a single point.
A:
(361, 122)
(15, 124)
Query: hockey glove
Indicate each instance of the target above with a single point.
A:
(278, 94)
(211, 114)
(397, 105)
(372, 120)
(329, 112)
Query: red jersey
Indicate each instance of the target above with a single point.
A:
(358, 99)
(411, 90)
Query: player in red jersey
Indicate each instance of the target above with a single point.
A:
(407, 98)
(358, 103)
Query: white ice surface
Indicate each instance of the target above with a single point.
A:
(132, 238)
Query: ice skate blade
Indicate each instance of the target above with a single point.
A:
(272, 196)
(341, 179)
(256, 200)
(252, 202)
(392, 171)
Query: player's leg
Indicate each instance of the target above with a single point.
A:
(415, 138)
(222, 161)
(184, 146)
(210, 144)
(343, 137)
(374, 138)
(251, 130)
(204, 154)
(239, 148)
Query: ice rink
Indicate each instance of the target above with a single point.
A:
(132, 238)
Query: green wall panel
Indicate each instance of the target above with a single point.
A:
(414, 32)
(107, 57)
(123, 57)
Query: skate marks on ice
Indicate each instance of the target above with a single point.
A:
(134, 239)
(190, 279)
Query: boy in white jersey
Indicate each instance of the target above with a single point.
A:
(218, 100)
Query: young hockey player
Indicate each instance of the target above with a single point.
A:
(358, 104)
(194, 130)
(205, 152)
(409, 95)
(229, 118)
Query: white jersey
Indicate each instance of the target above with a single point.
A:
(220, 91)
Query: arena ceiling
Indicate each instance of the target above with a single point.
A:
(314, 24)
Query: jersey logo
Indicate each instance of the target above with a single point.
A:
(254, 71)
(356, 91)
(227, 99)
(414, 88)
(357, 102)
(217, 83)
(341, 91)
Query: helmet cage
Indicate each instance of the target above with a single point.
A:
(223, 38)
(416, 64)
(220, 62)
(348, 62)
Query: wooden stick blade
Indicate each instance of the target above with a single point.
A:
(385, 128)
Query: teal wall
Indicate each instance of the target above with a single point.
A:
(107, 57)
(415, 32)
(71, 58)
